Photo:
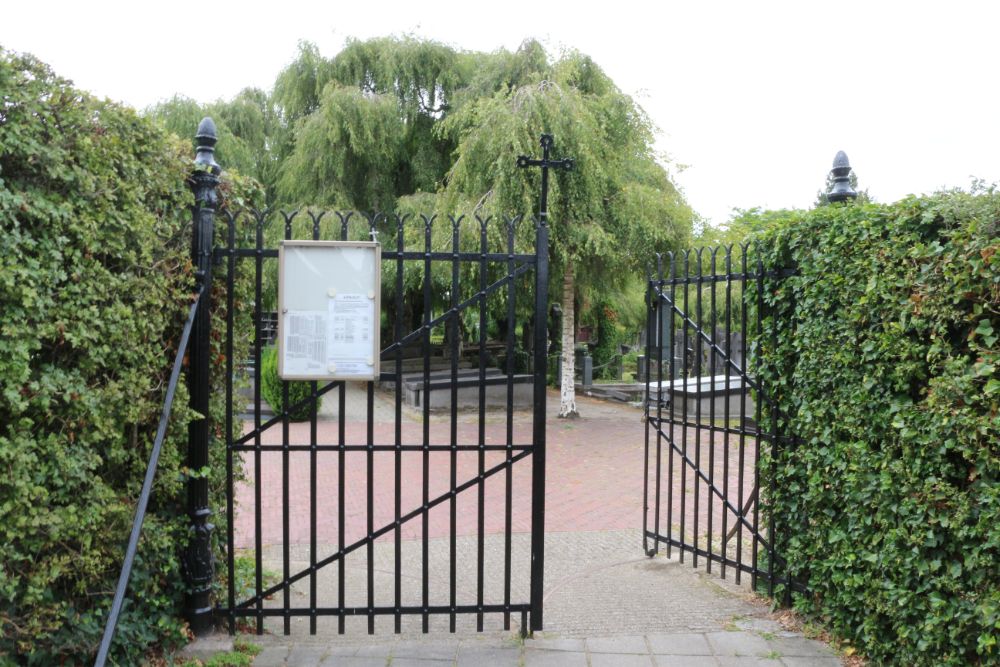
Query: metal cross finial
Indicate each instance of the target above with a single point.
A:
(523, 161)
(374, 234)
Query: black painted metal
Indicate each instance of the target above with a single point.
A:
(841, 172)
(540, 367)
(147, 488)
(197, 562)
(717, 516)
(480, 263)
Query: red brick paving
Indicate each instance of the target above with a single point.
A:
(594, 477)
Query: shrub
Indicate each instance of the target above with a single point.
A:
(95, 282)
(886, 365)
(271, 388)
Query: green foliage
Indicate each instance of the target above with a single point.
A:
(271, 388)
(886, 367)
(618, 204)
(95, 283)
(609, 339)
(253, 140)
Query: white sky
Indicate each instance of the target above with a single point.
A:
(754, 97)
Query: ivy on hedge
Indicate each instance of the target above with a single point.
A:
(95, 280)
(886, 367)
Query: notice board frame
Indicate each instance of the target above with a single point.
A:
(334, 279)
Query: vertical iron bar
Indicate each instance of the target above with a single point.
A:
(197, 560)
(744, 388)
(672, 394)
(699, 329)
(758, 412)
(370, 442)
(425, 398)
(455, 332)
(257, 340)
(725, 438)
(511, 362)
(230, 305)
(286, 601)
(341, 481)
(538, 427)
(684, 410)
(710, 488)
(398, 467)
(481, 487)
(651, 318)
(659, 409)
(341, 466)
(313, 441)
(540, 361)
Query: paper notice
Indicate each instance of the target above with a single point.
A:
(305, 342)
(351, 322)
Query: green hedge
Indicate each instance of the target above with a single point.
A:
(271, 388)
(886, 367)
(95, 281)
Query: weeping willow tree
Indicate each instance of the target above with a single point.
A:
(401, 124)
(608, 215)
(253, 138)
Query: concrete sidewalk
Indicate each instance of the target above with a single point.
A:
(605, 604)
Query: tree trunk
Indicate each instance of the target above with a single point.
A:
(567, 394)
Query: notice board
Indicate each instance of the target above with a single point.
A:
(328, 301)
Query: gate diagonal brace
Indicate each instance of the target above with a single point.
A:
(403, 342)
(732, 508)
(718, 350)
(453, 312)
(302, 574)
(711, 343)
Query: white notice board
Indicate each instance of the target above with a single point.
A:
(328, 300)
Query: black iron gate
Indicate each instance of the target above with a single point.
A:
(416, 476)
(708, 417)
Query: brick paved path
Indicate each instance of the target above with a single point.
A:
(594, 475)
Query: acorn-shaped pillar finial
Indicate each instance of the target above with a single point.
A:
(841, 190)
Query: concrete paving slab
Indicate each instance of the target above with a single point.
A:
(556, 644)
(203, 648)
(353, 661)
(620, 660)
(432, 650)
(635, 644)
(536, 658)
(305, 656)
(747, 661)
(792, 661)
(271, 656)
(737, 644)
(417, 662)
(679, 643)
(800, 647)
(478, 657)
(686, 661)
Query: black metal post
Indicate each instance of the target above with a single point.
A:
(197, 563)
(540, 367)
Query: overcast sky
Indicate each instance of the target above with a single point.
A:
(754, 98)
